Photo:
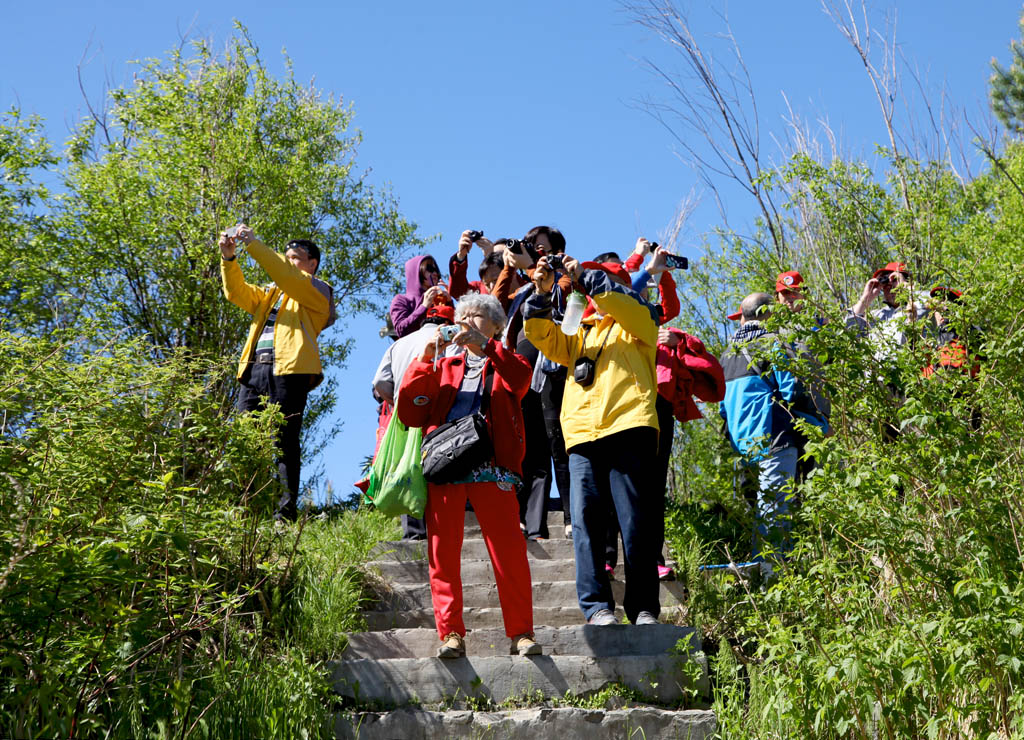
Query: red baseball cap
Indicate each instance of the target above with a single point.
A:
(891, 267)
(950, 294)
(789, 280)
(735, 316)
(442, 311)
(617, 271)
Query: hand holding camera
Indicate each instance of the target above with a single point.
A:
(543, 276)
(643, 246)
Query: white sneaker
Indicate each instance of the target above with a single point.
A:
(645, 618)
(568, 531)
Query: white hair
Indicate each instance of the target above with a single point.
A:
(487, 305)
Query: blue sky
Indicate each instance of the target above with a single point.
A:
(505, 116)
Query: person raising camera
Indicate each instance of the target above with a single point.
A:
(474, 394)
(610, 427)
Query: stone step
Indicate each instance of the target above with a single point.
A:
(479, 571)
(472, 549)
(564, 723)
(556, 525)
(545, 593)
(483, 618)
(664, 679)
(580, 639)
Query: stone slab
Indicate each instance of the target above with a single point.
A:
(472, 549)
(556, 525)
(478, 571)
(564, 723)
(578, 639)
(481, 618)
(545, 593)
(473, 571)
(432, 680)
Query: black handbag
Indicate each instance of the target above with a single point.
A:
(453, 450)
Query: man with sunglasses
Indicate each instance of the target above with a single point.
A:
(281, 361)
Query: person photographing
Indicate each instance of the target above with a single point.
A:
(280, 362)
(610, 427)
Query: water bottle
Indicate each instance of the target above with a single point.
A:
(573, 313)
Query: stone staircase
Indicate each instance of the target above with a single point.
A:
(391, 669)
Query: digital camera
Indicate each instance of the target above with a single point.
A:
(448, 332)
(583, 371)
(475, 235)
(522, 246)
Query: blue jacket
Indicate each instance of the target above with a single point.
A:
(763, 398)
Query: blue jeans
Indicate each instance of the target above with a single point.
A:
(612, 476)
(776, 473)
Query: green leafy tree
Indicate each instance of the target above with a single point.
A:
(1006, 88)
(30, 297)
(198, 142)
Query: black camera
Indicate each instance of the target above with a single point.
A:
(475, 235)
(522, 246)
(652, 246)
(556, 261)
(583, 371)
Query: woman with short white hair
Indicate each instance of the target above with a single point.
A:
(488, 380)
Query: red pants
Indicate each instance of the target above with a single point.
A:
(498, 513)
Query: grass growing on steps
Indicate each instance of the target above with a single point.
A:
(330, 582)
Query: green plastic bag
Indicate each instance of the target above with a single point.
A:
(397, 485)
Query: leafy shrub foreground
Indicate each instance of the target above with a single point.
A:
(899, 612)
(143, 590)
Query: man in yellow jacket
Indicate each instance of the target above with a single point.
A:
(280, 362)
(610, 427)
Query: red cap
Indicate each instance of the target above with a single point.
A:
(950, 294)
(891, 267)
(735, 316)
(789, 280)
(442, 311)
(615, 270)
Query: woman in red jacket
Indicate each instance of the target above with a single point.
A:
(437, 390)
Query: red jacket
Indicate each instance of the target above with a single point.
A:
(669, 297)
(687, 370)
(458, 284)
(427, 395)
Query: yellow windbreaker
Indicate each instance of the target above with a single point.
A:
(305, 311)
(624, 390)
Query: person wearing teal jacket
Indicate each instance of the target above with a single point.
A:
(610, 428)
(280, 362)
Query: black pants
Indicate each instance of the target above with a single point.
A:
(551, 403)
(536, 486)
(659, 481)
(259, 387)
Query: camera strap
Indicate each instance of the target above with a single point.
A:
(601, 348)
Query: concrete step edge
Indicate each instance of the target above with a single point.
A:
(564, 723)
(577, 639)
(660, 679)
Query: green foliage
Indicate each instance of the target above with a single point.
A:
(28, 293)
(330, 582)
(898, 613)
(143, 590)
(1006, 88)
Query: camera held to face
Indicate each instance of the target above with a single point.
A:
(448, 332)
(523, 247)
